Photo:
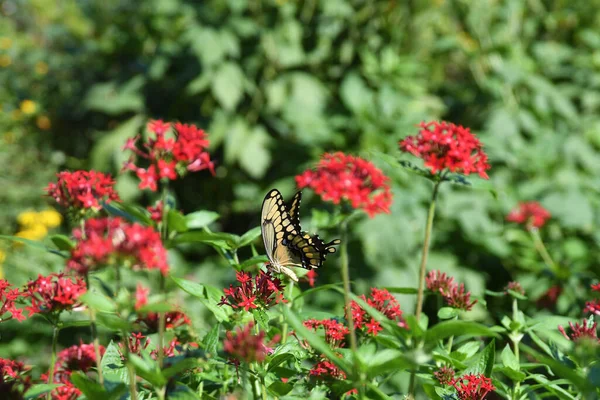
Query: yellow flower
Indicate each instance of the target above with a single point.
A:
(5, 60)
(28, 106)
(35, 232)
(5, 43)
(41, 68)
(28, 218)
(43, 122)
(50, 218)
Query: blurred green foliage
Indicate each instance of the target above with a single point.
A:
(278, 82)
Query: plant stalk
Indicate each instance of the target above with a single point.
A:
(94, 330)
(422, 270)
(541, 248)
(161, 315)
(55, 331)
(284, 329)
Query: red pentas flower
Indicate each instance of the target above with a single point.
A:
(13, 379)
(445, 146)
(156, 211)
(473, 387)
(110, 241)
(243, 345)
(445, 375)
(263, 291)
(83, 189)
(53, 293)
(587, 329)
(171, 151)
(8, 296)
(453, 293)
(339, 176)
(335, 331)
(136, 342)
(531, 214)
(384, 302)
(593, 306)
(325, 370)
(173, 319)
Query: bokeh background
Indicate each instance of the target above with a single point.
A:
(278, 82)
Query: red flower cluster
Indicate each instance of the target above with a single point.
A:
(587, 329)
(171, 153)
(443, 145)
(83, 189)
(135, 345)
(590, 306)
(263, 291)
(8, 297)
(107, 241)
(473, 387)
(13, 382)
(384, 302)
(53, 293)
(156, 211)
(245, 346)
(453, 293)
(339, 176)
(531, 214)
(310, 277)
(325, 369)
(335, 331)
(75, 358)
(515, 287)
(549, 299)
(173, 319)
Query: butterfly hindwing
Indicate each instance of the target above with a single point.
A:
(312, 249)
(294, 210)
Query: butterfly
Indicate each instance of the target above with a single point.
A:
(285, 242)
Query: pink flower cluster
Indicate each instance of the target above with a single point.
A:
(453, 293)
(83, 189)
(53, 293)
(384, 302)
(339, 176)
(106, 241)
(445, 146)
(8, 297)
(171, 152)
(531, 214)
(263, 291)
(578, 332)
(13, 381)
(245, 346)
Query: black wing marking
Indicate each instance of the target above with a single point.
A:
(294, 210)
(312, 249)
(276, 226)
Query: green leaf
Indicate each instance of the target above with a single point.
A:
(155, 307)
(98, 302)
(200, 219)
(62, 242)
(516, 376)
(114, 100)
(256, 157)
(280, 388)
(227, 85)
(316, 342)
(280, 359)
(130, 212)
(208, 295)
(148, 370)
(176, 221)
(465, 329)
(182, 392)
(329, 286)
(183, 365)
(402, 290)
(91, 389)
(376, 393)
(447, 313)
(256, 260)
(388, 360)
(416, 170)
(32, 243)
(483, 362)
(225, 241)
(112, 365)
(508, 358)
(211, 340)
(113, 322)
(261, 318)
(249, 236)
(36, 390)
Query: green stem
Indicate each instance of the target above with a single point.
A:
(347, 301)
(94, 331)
(541, 248)
(117, 280)
(284, 330)
(422, 270)
(515, 342)
(130, 367)
(161, 315)
(55, 331)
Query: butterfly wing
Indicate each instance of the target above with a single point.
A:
(277, 231)
(312, 250)
(294, 210)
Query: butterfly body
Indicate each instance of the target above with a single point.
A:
(285, 242)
